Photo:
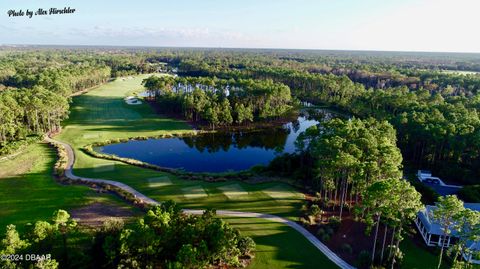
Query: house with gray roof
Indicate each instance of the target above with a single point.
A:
(432, 232)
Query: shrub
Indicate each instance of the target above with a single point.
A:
(14, 146)
(470, 194)
(364, 259)
(304, 208)
(334, 222)
(315, 210)
(258, 168)
(246, 245)
(325, 238)
(305, 223)
(324, 202)
(346, 248)
(321, 232)
(329, 231)
(316, 200)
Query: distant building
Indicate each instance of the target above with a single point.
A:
(432, 232)
(426, 176)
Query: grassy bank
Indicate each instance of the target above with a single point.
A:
(29, 192)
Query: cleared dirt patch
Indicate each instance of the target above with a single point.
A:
(157, 182)
(234, 191)
(104, 167)
(281, 192)
(94, 215)
(194, 192)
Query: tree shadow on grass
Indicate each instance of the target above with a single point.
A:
(279, 245)
(36, 195)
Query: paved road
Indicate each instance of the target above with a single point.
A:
(144, 199)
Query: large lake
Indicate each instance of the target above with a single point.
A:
(219, 152)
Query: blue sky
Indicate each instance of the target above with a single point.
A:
(407, 25)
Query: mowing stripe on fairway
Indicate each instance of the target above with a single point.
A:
(234, 191)
(281, 192)
(104, 167)
(194, 192)
(87, 136)
(156, 182)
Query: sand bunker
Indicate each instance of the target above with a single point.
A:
(233, 191)
(157, 182)
(132, 100)
(281, 192)
(194, 192)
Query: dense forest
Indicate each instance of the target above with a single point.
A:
(433, 105)
(35, 87)
(437, 118)
(219, 101)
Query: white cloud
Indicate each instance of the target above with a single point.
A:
(162, 36)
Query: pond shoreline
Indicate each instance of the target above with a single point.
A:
(220, 151)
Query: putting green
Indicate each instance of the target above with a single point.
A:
(158, 182)
(234, 191)
(281, 192)
(194, 192)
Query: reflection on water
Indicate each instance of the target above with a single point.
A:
(219, 152)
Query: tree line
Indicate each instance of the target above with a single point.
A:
(35, 88)
(163, 238)
(354, 165)
(220, 102)
(436, 129)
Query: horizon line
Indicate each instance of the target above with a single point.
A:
(232, 47)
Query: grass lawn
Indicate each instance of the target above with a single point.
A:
(418, 257)
(102, 114)
(28, 191)
(295, 252)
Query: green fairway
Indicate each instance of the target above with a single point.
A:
(294, 252)
(102, 114)
(28, 191)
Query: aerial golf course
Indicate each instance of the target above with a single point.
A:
(102, 114)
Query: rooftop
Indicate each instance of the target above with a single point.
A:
(432, 226)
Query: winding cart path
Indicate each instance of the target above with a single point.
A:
(144, 199)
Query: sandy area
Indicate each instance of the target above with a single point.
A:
(96, 214)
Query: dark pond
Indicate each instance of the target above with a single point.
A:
(219, 152)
